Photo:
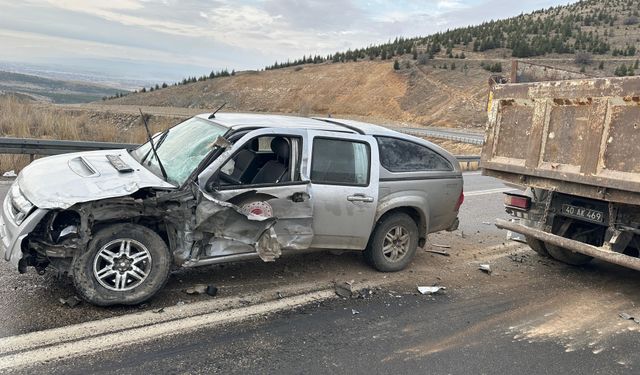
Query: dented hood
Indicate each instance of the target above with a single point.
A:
(63, 180)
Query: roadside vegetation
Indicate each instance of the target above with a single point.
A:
(23, 118)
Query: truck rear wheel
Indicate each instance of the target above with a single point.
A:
(537, 246)
(125, 264)
(576, 232)
(567, 256)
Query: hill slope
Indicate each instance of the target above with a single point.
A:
(441, 78)
(57, 91)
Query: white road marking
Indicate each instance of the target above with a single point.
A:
(489, 191)
(471, 173)
(93, 337)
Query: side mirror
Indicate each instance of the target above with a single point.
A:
(221, 142)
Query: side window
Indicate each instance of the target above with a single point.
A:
(340, 162)
(398, 155)
(263, 160)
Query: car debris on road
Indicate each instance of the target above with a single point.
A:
(626, 316)
(438, 252)
(430, 289)
(344, 289)
(72, 301)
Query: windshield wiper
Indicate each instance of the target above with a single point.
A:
(153, 147)
(161, 139)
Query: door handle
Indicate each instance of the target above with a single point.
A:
(360, 198)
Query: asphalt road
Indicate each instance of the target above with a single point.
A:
(531, 315)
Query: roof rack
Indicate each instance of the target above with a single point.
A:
(355, 129)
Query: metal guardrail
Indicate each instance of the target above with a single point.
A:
(441, 134)
(30, 146)
(34, 147)
(466, 160)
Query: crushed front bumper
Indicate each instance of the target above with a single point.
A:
(11, 234)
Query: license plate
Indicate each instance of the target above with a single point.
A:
(583, 213)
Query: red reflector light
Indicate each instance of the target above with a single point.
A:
(517, 201)
(460, 201)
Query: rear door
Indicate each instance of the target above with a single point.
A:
(344, 176)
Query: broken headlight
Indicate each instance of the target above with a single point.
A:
(20, 206)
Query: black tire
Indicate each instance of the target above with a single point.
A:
(374, 254)
(156, 269)
(537, 246)
(567, 256)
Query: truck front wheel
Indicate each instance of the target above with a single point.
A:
(125, 264)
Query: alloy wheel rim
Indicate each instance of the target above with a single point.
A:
(396, 243)
(122, 264)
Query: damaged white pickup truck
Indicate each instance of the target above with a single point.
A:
(224, 188)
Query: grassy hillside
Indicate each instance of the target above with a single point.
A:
(438, 80)
(56, 91)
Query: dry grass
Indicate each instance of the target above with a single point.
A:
(24, 119)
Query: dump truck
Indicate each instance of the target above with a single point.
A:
(574, 146)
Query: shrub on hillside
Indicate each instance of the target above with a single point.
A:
(583, 58)
(423, 59)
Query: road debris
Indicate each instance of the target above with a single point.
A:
(197, 289)
(430, 289)
(486, 268)
(487, 223)
(212, 290)
(344, 289)
(354, 312)
(438, 252)
(626, 316)
(10, 173)
(518, 258)
(364, 293)
(72, 301)
(158, 311)
(441, 246)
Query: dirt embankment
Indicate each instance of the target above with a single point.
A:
(417, 94)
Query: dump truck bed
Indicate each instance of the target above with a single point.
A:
(579, 137)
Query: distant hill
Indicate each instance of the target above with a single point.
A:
(439, 79)
(56, 91)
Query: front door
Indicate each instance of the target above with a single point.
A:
(344, 189)
(256, 201)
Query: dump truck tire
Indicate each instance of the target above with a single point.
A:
(537, 246)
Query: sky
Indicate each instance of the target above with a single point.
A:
(165, 40)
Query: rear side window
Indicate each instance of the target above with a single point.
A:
(398, 155)
(340, 162)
